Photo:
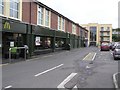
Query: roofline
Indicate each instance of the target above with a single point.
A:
(52, 10)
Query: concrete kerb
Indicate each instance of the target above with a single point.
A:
(115, 80)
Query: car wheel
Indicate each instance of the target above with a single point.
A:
(115, 58)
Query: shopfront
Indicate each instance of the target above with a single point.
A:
(13, 35)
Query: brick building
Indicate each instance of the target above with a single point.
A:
(38, 26)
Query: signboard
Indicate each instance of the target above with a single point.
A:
(11, 44)
(7, 25)
(37, 41)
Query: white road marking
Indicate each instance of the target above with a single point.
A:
(75, 86)
(47, 56)
(94, 57)
(86, 56)
(3, 64)
(115, 80)
(8, 87)
(61, 85)
(48, 70)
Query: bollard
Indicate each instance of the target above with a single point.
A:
(9, 55)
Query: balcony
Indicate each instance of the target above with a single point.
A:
(104, 35)
(104, 30)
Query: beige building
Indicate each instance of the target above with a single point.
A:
(98, 33)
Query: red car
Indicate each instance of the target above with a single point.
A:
(105, 47)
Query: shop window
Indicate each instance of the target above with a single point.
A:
(42, 42)
(59, 43)
(1, 7)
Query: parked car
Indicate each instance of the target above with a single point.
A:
(105, 47)
(111, 45)
(116, 52)
(115, 44)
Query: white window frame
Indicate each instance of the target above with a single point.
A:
(47, 17)
(63, 24)
(59, 23)
(15, 10)
(2, 6)
(40, 15)
(73, 28)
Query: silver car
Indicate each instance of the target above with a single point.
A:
(116, 52)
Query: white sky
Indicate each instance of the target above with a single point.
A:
(87, 11)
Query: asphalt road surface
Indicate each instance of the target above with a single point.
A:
(68, 69)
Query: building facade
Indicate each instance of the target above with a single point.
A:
(116, 35)
(38, 26)
(98, 33)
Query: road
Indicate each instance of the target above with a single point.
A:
(51, 70)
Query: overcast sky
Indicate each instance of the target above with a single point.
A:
(87, 11)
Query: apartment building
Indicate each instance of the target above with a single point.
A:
(38, 26)
(98, 33)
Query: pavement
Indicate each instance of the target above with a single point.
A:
(68, 69)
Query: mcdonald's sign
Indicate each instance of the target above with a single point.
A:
(7, 25)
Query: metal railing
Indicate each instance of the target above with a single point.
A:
(10, 53)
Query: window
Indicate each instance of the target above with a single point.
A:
(73, 29)
(42, 42)
(108, 28)
(1, 7)
(102, 34)
(59, 23)
(63, 24)
(108, 39)
(40, 15)
(14, 8)
(102, 28)
(108, 33)
(47, 18)
(93, 30)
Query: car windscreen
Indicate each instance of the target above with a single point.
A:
(118, 47)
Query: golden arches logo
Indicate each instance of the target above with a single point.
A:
(7, 25)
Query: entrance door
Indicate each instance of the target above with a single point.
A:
(11, 40)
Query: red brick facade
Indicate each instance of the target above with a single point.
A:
(26, 12)
(54, 21)
(54, 18)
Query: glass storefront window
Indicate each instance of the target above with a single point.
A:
(42, 42)
(59, 43)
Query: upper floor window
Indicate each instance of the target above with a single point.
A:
(63, 24)
(102, 28)
(73, 29)
(14, 8)
(40, 15)
(108, 28)
(47, 18)
(108, 33)
(1, 7)
(59, 23)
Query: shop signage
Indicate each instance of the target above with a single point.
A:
(37, 41)
(7, 25)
